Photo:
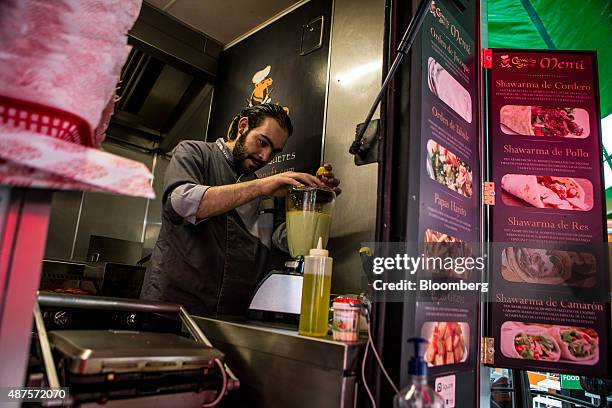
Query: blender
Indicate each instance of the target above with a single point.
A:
(309, 212)
(308, 217)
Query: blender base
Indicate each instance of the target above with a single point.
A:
(274, 317)
(280, 294)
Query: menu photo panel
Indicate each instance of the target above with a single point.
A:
(549, 274)
(449, 215)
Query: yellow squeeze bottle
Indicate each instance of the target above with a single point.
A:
(314, 314)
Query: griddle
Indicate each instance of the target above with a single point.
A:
(105, 365)
(89, 352)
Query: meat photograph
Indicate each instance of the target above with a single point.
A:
(564, 344)
(544, 121)
(448, 342)
(563, 193)
(441, 245)
(448, 90)
(549, 267)
(448, 169)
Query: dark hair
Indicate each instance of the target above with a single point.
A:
(256, 114)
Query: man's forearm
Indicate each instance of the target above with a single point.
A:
(221, 199)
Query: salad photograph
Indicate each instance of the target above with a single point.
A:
(447, 169)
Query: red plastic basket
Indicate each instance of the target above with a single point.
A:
(45, 120)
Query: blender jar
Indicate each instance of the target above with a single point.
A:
(309, 213)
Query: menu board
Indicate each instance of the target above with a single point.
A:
(448, 192)
(549, 272)
(449, 184)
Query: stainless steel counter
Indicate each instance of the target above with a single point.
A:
(279, 368)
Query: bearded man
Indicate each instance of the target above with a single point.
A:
(216, 225)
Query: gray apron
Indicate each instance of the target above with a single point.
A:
(211, 267)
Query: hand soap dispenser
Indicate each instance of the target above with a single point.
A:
(418, 394)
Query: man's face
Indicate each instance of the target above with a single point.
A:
(254, 148)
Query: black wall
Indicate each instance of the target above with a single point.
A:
(299, 82)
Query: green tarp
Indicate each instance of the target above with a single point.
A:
(556, 24)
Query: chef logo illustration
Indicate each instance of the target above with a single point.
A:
(505, 61)
(262, 87)
(262, 90)
(516, 62)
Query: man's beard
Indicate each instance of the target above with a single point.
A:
(240, 155)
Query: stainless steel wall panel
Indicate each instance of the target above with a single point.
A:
(355, 77)
(63, 224)
(112, 215)
(153, 220)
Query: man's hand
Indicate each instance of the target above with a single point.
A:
(221, 199)
(326, 175)
(279, 184)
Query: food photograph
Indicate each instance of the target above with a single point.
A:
(449, 90)
(449, 170)
(562, 193)
(565, 344)
(442, 245)
(544, 121)
(446, 342)
(549, 267)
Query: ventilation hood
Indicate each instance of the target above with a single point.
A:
(168, 74)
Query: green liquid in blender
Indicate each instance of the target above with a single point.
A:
(304, 229)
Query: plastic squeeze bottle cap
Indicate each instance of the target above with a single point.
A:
(418, 366)
(319, 251)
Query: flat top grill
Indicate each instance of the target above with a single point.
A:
(94, 352)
